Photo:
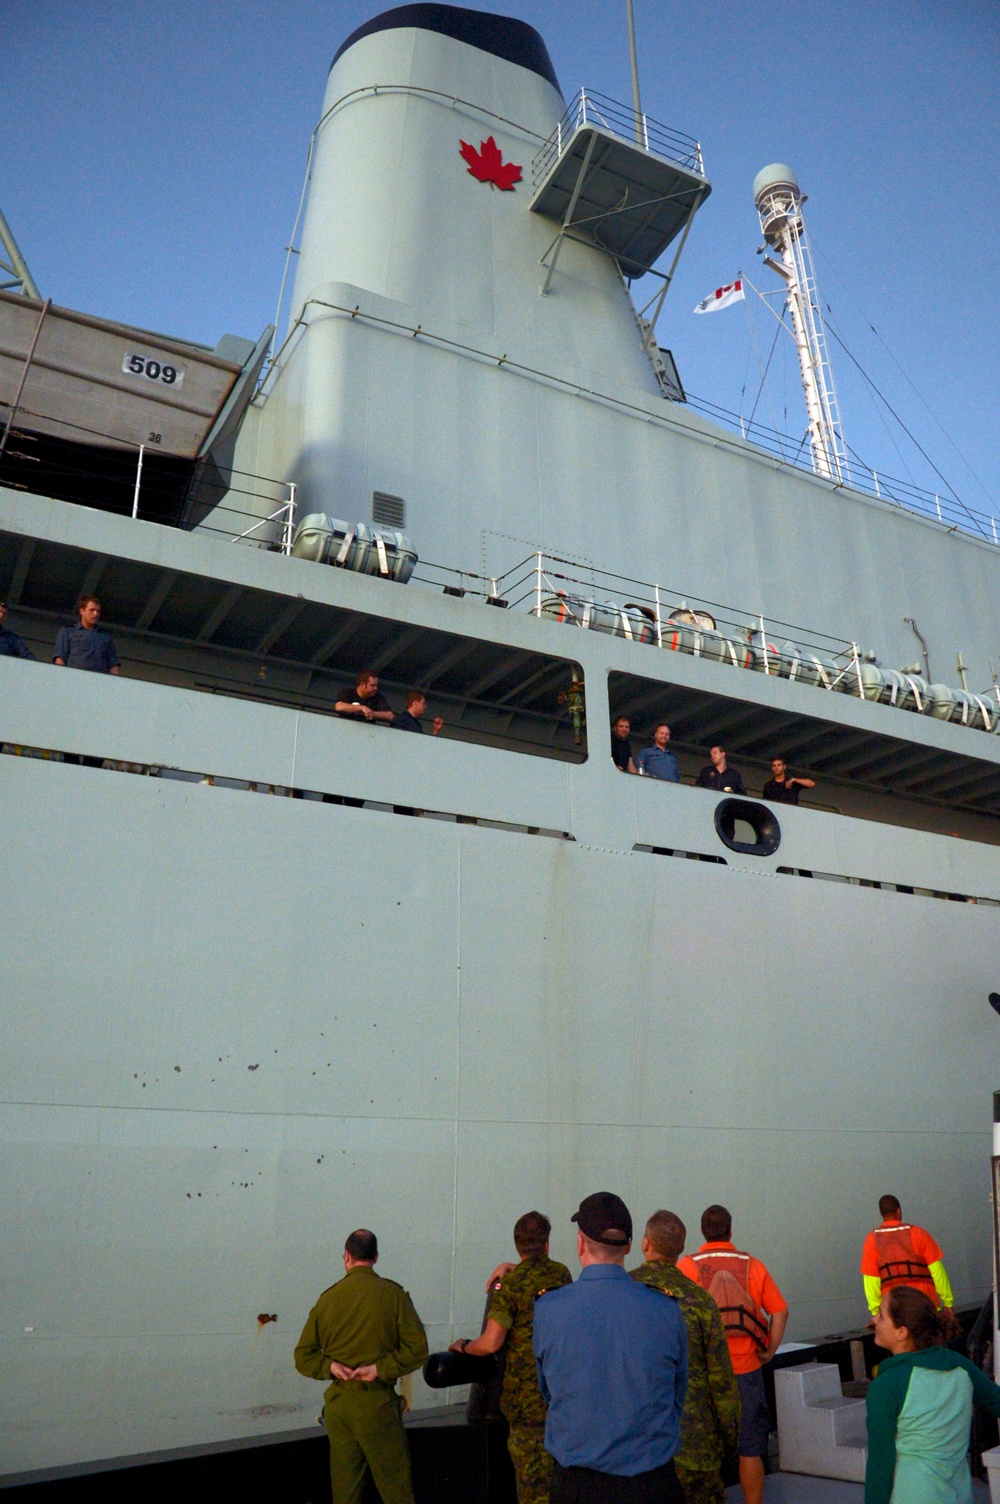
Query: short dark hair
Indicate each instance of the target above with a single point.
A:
(85, 600)
(364, 675)
(888, 1206)
(915, 1310)
(716, 1224)
(531, 1233)
(413, 696)
(362, 1245)
(666, 1232)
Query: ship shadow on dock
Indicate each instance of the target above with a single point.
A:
(455, 1461)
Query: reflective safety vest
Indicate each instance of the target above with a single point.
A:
(898, 1261)
(726, 1277)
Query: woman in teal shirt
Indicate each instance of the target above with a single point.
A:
(920, 1408)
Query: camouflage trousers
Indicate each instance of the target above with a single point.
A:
(700, 1485)
(532, 1464)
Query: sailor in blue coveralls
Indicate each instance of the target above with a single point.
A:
(86, 646)
(11, 646)
(612, 1364)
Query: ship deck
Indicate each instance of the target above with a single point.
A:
(797, 1488)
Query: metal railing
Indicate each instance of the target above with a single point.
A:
(551, 587)
(260, 511)
(143, 494)
(555, 589)
(952, 514)
(571, 593)
(591, 108)
(949, 511)
(283, 517)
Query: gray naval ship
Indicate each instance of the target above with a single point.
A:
(270, 974)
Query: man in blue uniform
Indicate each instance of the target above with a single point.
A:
(87, 646)
(658, 761)
(11, 645)
(416, 706)
(612, 1364)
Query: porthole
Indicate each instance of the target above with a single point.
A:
(757, 822)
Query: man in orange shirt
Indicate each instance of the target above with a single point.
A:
(900, 1253)
(754, 1315)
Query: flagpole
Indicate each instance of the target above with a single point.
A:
(636, 102)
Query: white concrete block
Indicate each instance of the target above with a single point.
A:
(991, 1461)
(819, 1431)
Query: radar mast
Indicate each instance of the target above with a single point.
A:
(779, 203)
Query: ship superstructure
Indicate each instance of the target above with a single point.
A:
(272, 975)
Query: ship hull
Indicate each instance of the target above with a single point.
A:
(458, 977)
(240, 1025)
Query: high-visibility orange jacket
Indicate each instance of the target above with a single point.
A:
(763, 1298)
(900, 1253)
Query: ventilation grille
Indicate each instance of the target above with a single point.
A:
(389, 510)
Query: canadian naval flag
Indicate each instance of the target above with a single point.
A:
(722, 297)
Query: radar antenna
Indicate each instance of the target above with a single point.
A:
(779, 203)
(14, 274)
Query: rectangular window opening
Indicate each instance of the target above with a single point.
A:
(688, 856)
(886, 776)
(887, 887)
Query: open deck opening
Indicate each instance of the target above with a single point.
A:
(198, 632)
(867, 774)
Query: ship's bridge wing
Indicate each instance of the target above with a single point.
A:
(631, 198)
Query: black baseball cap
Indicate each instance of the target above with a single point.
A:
(602, 1214)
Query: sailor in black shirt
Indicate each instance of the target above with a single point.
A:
(416, 706)
(719, 776)
(781, 789)
(364, 702)
(621, 747)
(11, 646)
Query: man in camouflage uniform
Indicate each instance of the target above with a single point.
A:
(710, 1424)
(364, 1334)
(509, 1321)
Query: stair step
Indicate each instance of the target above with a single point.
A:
(820, 1432)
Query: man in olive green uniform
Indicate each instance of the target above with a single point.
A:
(509, 1321)
(364, 1334)
(710, 1423)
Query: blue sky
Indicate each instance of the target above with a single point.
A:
(154, 156)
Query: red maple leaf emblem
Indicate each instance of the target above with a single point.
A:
(488, 166)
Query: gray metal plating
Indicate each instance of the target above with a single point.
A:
(237, 1026)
